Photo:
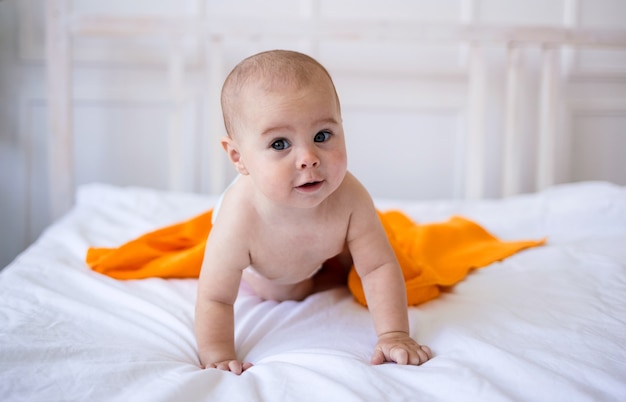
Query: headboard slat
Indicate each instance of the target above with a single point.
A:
(311, 30)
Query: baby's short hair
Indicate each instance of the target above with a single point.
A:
(269, 69)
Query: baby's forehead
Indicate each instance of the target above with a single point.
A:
(273, 73)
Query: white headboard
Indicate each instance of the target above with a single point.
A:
(485, 152)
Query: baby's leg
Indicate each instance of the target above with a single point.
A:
(334, 273)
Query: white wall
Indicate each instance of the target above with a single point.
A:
(411, 121)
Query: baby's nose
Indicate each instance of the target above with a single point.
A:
(308, 159)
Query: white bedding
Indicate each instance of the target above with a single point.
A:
(547, 324)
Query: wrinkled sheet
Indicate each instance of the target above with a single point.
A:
(548, 323)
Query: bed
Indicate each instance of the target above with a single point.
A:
(545, 324)
(548, 323)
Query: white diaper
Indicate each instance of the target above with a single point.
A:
(218, 205)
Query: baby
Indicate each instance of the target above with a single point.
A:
(293, 211)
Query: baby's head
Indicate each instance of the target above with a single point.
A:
(284, 126)
(269, 71)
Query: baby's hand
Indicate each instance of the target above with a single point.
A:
(234, 366)
(399, 347)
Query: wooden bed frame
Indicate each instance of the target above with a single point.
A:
(63, 25)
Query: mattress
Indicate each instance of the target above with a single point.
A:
(548, 323)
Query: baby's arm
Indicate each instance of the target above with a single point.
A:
(386, 298)
(214, 332)
(217, 291)
(383, 284)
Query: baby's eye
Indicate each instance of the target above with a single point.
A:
(322, 136)
(280, 144)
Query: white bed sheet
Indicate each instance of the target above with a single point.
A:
(546, 324)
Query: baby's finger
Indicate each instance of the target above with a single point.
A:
(224, 366)
(235, 367)
(399, 355)
(426, 349)
(421, 355)
(378, 357)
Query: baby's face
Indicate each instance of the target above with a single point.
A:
(292, 142)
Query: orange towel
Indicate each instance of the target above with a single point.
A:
(438, 254)
(174, 251)
(431, 255)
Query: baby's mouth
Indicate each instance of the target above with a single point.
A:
(310, 185)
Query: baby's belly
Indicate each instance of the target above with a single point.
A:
(286, 278)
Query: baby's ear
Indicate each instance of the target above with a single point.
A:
(232, 150)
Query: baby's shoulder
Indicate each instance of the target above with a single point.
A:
(352, 191)
(235, 212)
